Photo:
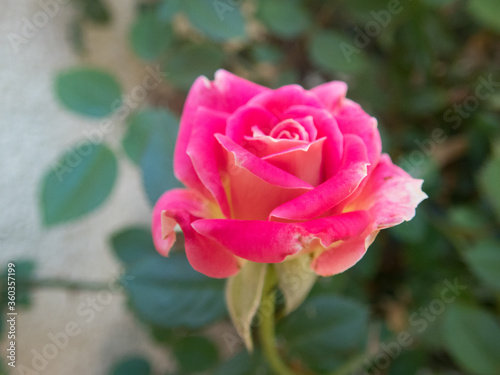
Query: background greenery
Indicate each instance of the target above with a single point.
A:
(418, 70)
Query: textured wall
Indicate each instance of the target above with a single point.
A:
(34, 130)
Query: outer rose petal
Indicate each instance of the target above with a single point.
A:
(206, 154)
(331, 94)
(226, 93)
(342, 255)
(390, 194)
(279, 100)
(183, 207)
(272, 242)
(353, 120)
(325, 196)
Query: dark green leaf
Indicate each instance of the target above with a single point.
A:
(80, 182)
(284, 18)
(88, 91)
(169, 293)
(168, 9)
(484, 259)
(196, 354)
(219, 20)
(97, 11)
(132, 366)
(472, 336)
(336, 53)
(144, 126)
(150, 36)
(325, 331)
(131, 245)
(150, 142)
(243, 364)
(192, 61)
(489, 181)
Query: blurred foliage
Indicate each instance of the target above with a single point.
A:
(427, 292)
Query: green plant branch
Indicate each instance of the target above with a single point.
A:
(64, 284)
(267, 325)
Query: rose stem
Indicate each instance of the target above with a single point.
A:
(267, 325)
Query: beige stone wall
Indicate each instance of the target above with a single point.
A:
(34, 130)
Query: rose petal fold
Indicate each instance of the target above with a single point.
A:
(331, 192)
(206, 154)
(342, 255)
(226, 93)
(180, 206)
(253, 186)
(390, 195)
(331, 94)
(272, 242)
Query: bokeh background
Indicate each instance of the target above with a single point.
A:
(91, 95)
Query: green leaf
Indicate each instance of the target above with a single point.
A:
(88, 91)
(192, 61)
(484, 259)
(284, 18)
(146, 125)
(150, 143)
(336, 53)
(169, 293)
(295, 279)
(196, 354)
(132, 366)
(487, 12)
(325, 331)
(243, 295)
(150, 36)
(489, 180)
(472, 336)
(167, 9)
(219, 20)
(243, 363)
(132, 245)
(97, 11)
(79, 183)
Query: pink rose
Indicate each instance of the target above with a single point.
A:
(272, 174)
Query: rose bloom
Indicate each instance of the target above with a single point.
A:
(276, 174)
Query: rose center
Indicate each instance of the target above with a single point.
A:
(289, 129)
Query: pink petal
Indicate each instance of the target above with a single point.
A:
(241, 122)
(265, 146)
(206, 154)
(353, 120)
(272, 242)
(304, 161)
(184, 207)
(279, 100)
(254, 186)
(342, 255)
(226, 93)
(331, 192)
(331, 94)
(326, 127)
(390, 194)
